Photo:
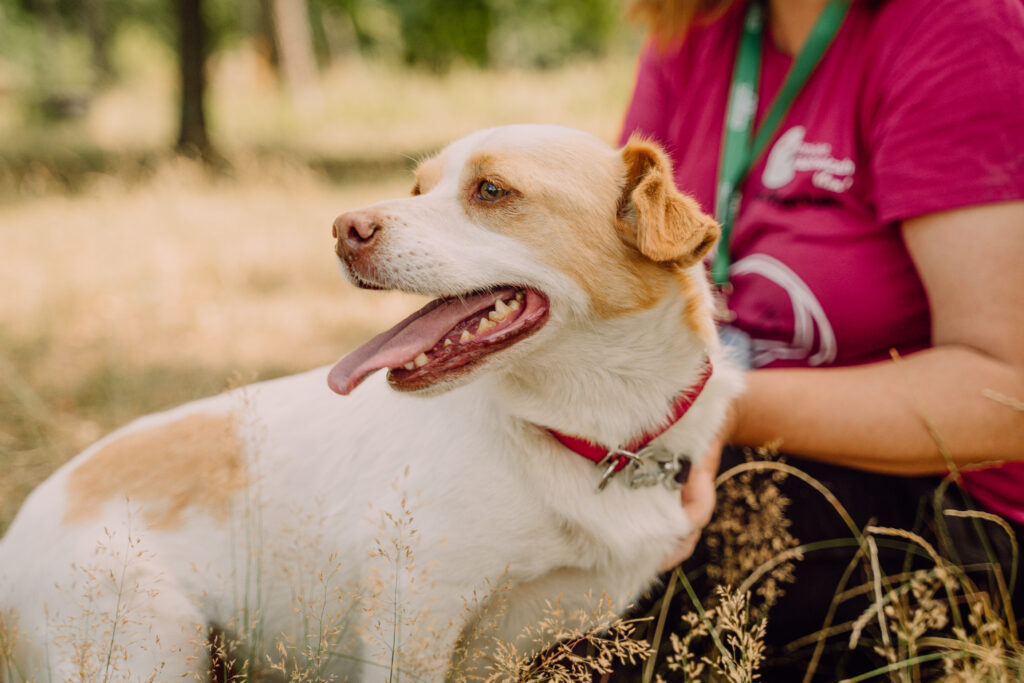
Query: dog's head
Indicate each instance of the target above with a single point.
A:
(516, 231)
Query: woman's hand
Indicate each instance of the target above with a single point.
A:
(698, 501)
(698, 495)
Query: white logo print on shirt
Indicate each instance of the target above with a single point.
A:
(790, 154)
(810, 324)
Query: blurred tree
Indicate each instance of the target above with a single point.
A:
(353, 12)
(193, 138)
(94, 16)
(545, 33)
(521, 33)
(436, 32)
(57, 52)
(294, 42)
(259, 24)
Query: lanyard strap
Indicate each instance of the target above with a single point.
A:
(739, 151)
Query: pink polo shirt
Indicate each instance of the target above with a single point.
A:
(917, 107)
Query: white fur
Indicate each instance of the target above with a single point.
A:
(497, 505)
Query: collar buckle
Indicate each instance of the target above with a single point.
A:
(646, 467)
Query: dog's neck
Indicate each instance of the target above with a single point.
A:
(608, 381)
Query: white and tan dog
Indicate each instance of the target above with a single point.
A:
(572, 306)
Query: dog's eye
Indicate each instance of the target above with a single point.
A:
(489, 192)
(416, 190)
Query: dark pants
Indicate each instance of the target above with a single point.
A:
(906, 503)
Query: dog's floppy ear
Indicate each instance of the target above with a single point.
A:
(664, 224)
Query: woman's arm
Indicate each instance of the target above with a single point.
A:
(876, 416)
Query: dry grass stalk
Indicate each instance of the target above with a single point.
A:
(112, 609)
(1004, 590)
(589, 642)
(9, 636)
(982, 648)
(749, 536)
(738, 635)
(1008, 401)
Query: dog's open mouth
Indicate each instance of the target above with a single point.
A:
(447, 336)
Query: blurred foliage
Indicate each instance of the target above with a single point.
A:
(520, 33)
(66, 66)
(545, 33)
(65, 44)
(434, 32)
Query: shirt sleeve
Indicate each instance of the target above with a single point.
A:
(947, 127)
(649, 111)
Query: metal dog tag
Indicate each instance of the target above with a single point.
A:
(649, 466)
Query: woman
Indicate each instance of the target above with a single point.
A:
(876, 280)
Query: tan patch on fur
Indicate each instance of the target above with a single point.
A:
(428, 173)
(194, 462)
(632, 230)
(698, 314)
(618, 279)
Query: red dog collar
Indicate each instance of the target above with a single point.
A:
(634, 452)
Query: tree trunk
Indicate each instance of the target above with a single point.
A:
(94, 14)
(193, 139)
(295, 49)
(264, 31)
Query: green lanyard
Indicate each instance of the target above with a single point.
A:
(739, 151)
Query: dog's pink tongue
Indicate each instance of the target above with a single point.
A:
(416, 334)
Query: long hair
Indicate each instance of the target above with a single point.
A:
(668, 20)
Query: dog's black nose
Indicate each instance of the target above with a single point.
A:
(356, 231)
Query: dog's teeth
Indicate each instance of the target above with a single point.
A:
(466, 336)
(500, 312)
(447, 342)
(420, 360)
(485, 325)
(519, 296)
(513, 305)
(409, 366)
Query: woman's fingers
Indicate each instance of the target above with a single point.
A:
(698, 497)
